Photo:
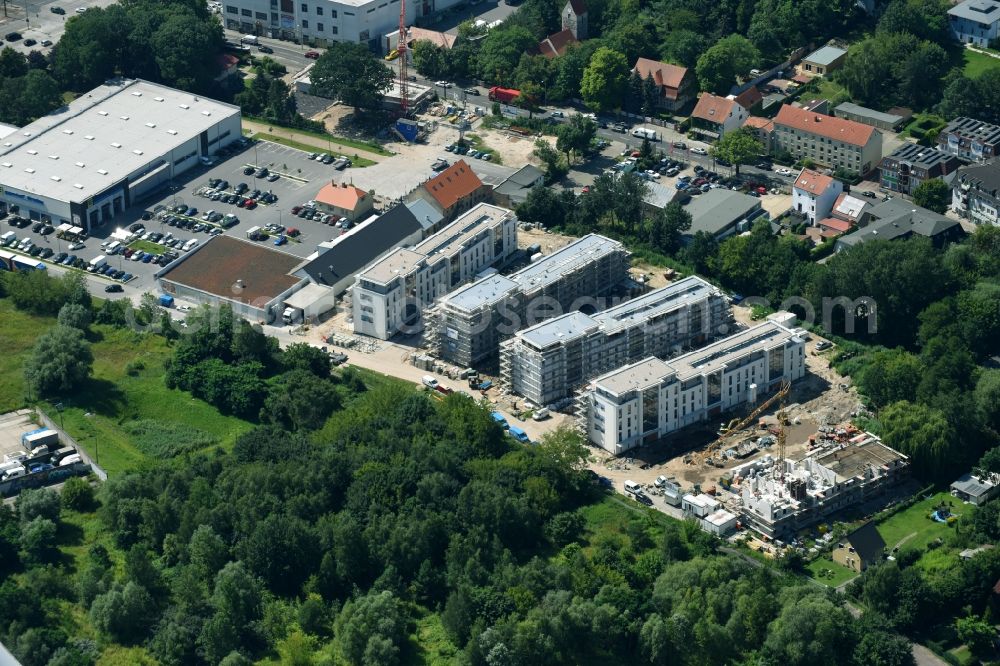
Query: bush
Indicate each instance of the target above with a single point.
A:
(78, 494)
(134, 367)
(166, 440)
(40, 503)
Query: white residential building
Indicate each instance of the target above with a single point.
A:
(546, 362)
(709, 514)
(393, 292)
(325, 21)
(645, 401)
(814, 194)
(467, 325)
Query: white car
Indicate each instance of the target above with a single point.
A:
(783, 171)
(443, 84)
(80, 10)
(699, 151)
(76, 246)
(652, 174)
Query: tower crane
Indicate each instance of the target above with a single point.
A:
(401, 48)
(739, 424)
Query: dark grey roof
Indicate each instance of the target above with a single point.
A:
(984, 177)
(971, 129)
(865, 112)
(866, 541)
(921, 156)
(363, 246)
(973, 486)
(519, 183)
(895, 218)
(716, 210)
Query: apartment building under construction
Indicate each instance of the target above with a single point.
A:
(546, 362)
(466, 326)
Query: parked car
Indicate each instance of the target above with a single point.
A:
(30, 42)
(699, 151)
(312, 55)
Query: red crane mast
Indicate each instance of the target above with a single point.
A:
(404, 100)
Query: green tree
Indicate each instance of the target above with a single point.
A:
(208, 553)
(575, 136)
(429, 59)
(554, 166)
(501, 51)
(123, 613)
(701, 251)
(667, 228)
(604, 80)
(60, 361)
(977, 634)
(180, 45)
(812, 630)
(37, 503)
(933, 194)
(880, 648)
(891, 376)
(922, 433)
(737, 147)
(346, 71)
(74, 315)
(38, 540)
(77, 494)
(371, 625)
(299, 400)
(730, 57)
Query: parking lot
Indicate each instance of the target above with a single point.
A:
(299, 180)
(41, 23)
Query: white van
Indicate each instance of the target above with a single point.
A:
(541, 414)
(7, 238)
(14, 473)
(643, 133)
(632, 487)
(190, 245)
(113, 248)
(429, 382)
(250, 39)
(70, 459)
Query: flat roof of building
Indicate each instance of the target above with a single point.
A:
(825, 55)
(237, 270)
(465, 227)
(398, 262)
(103, 136)
(654, 303)
(980, 11)
(565, 327)
(565, 260)
(482, 292)
(717, 209)
(853, 460)
(635, 377)
(865, 112)
(717, 355)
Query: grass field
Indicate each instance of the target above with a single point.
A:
(356, 162)
(18, 331)
(99, 414)
(370, 146)
(829, 573)
(977, 63)
(913, 524)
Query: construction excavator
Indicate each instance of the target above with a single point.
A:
(707, 455)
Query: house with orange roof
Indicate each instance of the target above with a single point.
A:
(832, 142)
(751, 98)
(713, 116)
(761, 128)
(345, 200)
(814, 194)
(676, 84)
(453, 191)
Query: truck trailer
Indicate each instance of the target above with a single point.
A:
(506, 95)
(40, 437)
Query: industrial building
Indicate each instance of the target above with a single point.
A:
(645, 401)
(780, 497)
(467, 326)
(548, 361)
(722, 213)
(394, 291)
(89, 161)
(253, 279)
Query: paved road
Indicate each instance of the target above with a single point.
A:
(39, 23)
(289, 54)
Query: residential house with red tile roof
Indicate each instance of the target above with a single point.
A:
(676, 84)
(814, 194)
(713, 116)
(345, 200)
(453, 191)
(750, 98)
(826, 140)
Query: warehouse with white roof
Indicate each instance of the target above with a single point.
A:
(89, 161)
